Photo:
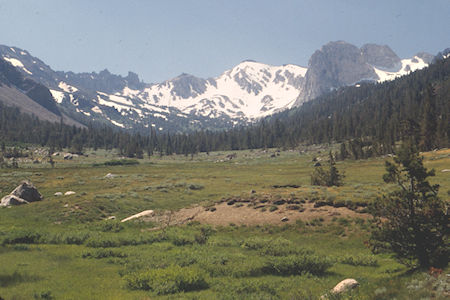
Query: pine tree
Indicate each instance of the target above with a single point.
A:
(412, 221)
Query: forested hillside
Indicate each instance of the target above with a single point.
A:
(417, 105)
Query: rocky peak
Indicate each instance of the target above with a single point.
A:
(381, 57)
(186, 85)
(336, 64)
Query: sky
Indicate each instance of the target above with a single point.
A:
(160, 39)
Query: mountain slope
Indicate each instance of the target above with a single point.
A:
(30, 97)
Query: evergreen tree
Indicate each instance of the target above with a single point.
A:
(412, 221)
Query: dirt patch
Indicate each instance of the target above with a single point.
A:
(255, 211)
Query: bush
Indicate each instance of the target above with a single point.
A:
(297, 265)
(103, 253)
(118, 162)
(360, 260)
(22, 237)
(171, 280)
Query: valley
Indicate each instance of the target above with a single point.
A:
(75, 246)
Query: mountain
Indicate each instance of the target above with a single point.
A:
(29, 96)
(339, 64)
(239, 96)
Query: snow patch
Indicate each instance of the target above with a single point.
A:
(17, 63)
(67, 88)
(57, 95)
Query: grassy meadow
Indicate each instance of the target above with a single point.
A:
(67, 247)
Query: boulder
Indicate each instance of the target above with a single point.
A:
(68, 193)
(284, 219)
(27, 191)
(110, 176)
(10, 200)
(144, 213)
(344, 286)
(58, 194)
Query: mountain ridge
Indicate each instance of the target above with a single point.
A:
(241, 95)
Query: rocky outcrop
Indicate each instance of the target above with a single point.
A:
(336, 64)
(381, 57)
(25, 193)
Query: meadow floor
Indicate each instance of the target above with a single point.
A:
(74, 247)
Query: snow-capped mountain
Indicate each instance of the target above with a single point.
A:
(248, 91)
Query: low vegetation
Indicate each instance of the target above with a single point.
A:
(75, 246)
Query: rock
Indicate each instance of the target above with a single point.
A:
(12, 200)
(345, 285)
(317, 164)
(111, 218)
(27, 191)
(110, 176)
(55, 154)
(66, 205)
(252, 192)
(68, 156)
(279, 202)
(284, 219)
(68, 193)
(445, 170)
(58, 194)
(144, 213)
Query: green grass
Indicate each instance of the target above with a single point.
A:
(63, 248)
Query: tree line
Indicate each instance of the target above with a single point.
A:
(367, 120)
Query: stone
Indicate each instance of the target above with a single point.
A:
(284, 219)
(144, 213)
(68, 156)
(344, 286)
(58, 194)
(27, 191)
(111, 218)
(68, 193)
(110, 176)
(445, 170)
(10, 200)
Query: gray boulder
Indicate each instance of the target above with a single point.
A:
(27, 191)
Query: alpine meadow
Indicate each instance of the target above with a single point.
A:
(265, 181)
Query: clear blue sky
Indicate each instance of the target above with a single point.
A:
(162, 39)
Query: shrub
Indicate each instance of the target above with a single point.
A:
(22, 237)
(103, 253)
(360, 260)
(118, 162)
(171, 280)
(297, 265)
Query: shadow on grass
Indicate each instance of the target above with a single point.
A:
(7, 280)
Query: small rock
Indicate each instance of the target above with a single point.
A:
(139, 215)
(110, 176)
(68, 193)
(252, 192)
(58, 194)
(66, 205)
(445, 170)
(68, 156)
(345, 285)
(111, 218)
(284, 219)
(212, 209)
(12, 200)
